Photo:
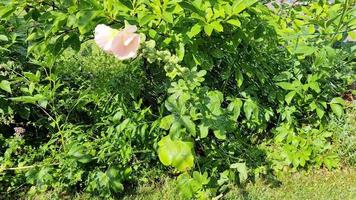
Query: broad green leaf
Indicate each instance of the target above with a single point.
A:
(3, 38)
(32, 77)
(337, 109)
(191, 7)
(166, 122)
(208, 29)
(219, 134)
(338, 100)
(146, 19)
(86, 20)
(6, 11)
(286, 85)
(235, 108)
(195, 30)
(314, 86)
(215, 100)
(288, 98)
(204, 130)
(73, 41)
(304, 50)
(217, 26)
(6, 86)
(241, 5)
(234, 22)
(250, 108)
(168, 17)
(242, 169)
(177, 153)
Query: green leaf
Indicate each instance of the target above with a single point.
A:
(249, 108)
(195, 30)
(146, 19)
(180, 51)
(73, 41)
(242, 169)
(235, 108)
(191, 7)
(189, 124)
(241, 5)
(6, 86)
(204, 130)
(215, 100)
(239, 78)
(87, 20)
(234, 22)
(32, 77)
(288, 98)
(6, 11)
(166, 122)
(217, 26)
(338, 100)
(3, 38)
(168, 17)
(320, 111)
(314, 86)
(220, 134)
(286, 85)
(304, 50)
(337, 109)
(208, 29)
(177, 153)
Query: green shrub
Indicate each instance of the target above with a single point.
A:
(221, 90)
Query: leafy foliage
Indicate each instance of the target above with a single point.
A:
(222, 90)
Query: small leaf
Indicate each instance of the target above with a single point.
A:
(195, 30)
(286, 85)
(249, 108)
(208, 29)
(235, 108)
(204, 130)
(234, 22)
(314, 86)
(6, 86)
(217, 26)
(304, 50)
(189, 124)
(219, 134)
(239, 78)
(180, 51)
(320, 111)
(289, 96)
(146, 19)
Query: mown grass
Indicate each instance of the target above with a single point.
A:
(314, 185)
(321, 184)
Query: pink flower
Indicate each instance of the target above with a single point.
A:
(104, 36)
(126, 43)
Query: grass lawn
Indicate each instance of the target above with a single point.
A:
(319, 185)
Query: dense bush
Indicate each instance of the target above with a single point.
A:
(221, 91)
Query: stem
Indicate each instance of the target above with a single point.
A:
(25, 167)
(341, 19)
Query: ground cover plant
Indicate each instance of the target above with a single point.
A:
(99, 97)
